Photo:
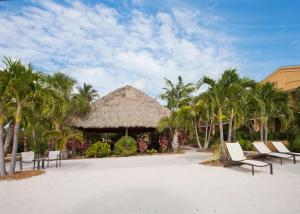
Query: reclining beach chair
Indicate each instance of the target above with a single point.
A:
(281, 148)
(27, 157)
(237, 156)
(54, 156)
(263, 150)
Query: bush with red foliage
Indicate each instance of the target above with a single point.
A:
(143, 146)
(77, 147)
(163, 143)
(183, 138)
(143, 142)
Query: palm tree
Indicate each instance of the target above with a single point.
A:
(21, 88)
(87, 91)
(176, 95)
(238, 97)
(219, 91)
(272, 103)
(206, 115)
(4, 101)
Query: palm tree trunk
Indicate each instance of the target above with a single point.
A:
(197, 135)
(15, 141)
(34, 139)
(261, 131)
(175, 141)
(208, 136)
(223, 155)
(266, 132)
(8, 137)
(26, 149)
(230, 127)
(2, 162)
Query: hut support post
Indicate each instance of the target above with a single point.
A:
(126, 132)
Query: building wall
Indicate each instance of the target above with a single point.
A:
(285, 78)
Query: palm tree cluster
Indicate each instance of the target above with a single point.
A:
(228, 103)
(35, 106)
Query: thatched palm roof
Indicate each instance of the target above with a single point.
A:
(126, 107)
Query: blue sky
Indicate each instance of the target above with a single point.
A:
(111, 43)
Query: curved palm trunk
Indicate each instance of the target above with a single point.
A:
(223, 154)
(197, 135)
(15, 142)
(230, 128)
(8, 137)
(2, 162)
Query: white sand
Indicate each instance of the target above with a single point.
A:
(154, 184)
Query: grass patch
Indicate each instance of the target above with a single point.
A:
(22, 175)
(212, 162)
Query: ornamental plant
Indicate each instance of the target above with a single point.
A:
(143, 142)
(76, 146)
(163, 143)
(98, 150)
(126, 146)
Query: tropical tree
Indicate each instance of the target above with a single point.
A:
(206, 115)
(272, 103)
(238, 99)
(21, 88)
(219, 91)
(87, 91)
(4, 101)
(176, 95)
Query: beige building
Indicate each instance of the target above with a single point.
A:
(285, 78)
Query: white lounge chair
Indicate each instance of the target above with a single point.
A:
(237, 155)
(54, 156)
(27, 157)
(282, 149)
(263, 150)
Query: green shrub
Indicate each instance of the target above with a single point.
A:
(126, 146)
(246, 145)
(151, 151)
(296, 144)
(98, 149)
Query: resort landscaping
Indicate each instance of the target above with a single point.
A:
(80, 146)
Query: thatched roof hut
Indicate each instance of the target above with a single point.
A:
(123, 109)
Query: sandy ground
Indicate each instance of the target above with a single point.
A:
(154, 184)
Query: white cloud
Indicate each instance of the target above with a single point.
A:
(99, 45)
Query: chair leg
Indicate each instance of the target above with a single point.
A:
(56, 163)
(271, 169)
(20, 165)
(280, 161)
(294, 157)
(48, 163)
(33, 165)
(252, 170)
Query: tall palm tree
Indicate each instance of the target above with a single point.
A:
(4, 101)
(272, 103)
(219, 91)
(206, 115)
(238, 97)
(87, 91)
(21, 88)
(176, 95)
